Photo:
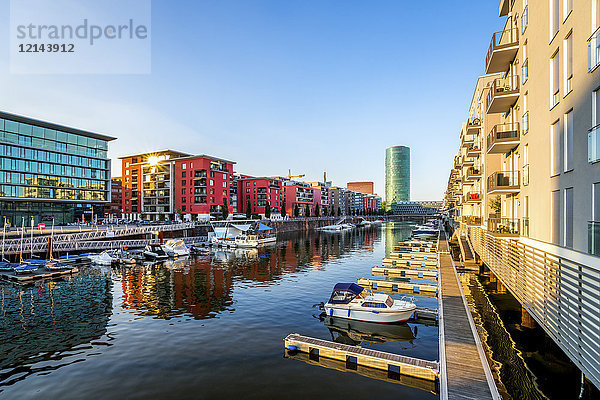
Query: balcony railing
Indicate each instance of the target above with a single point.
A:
(473, 173)
(503, 226)
(503, 138)
(503, 93)
(472, 197)
(502, 51)
(469, 220)
(594, 144)
(503, 182)
(594, 50)
(473, 150)
(473, 126)
(594, 238)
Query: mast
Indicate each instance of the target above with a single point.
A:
(22, 230)
(51, 239)
(3, 236)
(31, 241)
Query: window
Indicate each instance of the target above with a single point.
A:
(183, 191)
(524, 17)
(183, 174)
(555, 149)
(568, 218)
(554, 17)
(224, 192)
(183, 199)
(183, 166)
(183, 182)
(568, 136)
(212, 182)
(596, 202)
(224, 184)
(525, 71)
(183, 209)
(212, 174)
(554, 80)
(224, 176)
(525, 117)
(555, 216)
(567, 8)
(212, 191)
(594, 133)
(568, 68)
(247, 190)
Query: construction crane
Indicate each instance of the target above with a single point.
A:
(290, 176)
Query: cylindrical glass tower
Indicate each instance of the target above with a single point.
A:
(397, 174)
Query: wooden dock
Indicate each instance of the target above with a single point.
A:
(39, 275)
(391, 287)
(411, 288)
(409, 263)
(414, 256)
(372, 373)
(430, 275)
(405, 249)
(465, 372)
(395, 363)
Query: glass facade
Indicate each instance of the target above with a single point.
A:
(397, 175)
(47, 170)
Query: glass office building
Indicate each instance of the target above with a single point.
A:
(48, 170)
(397, 175)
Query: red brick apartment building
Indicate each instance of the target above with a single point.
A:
(169, 185)
(259, 191)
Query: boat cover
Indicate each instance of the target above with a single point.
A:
(263, 227)
(353, 289)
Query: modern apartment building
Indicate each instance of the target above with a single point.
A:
(51, 171)
(397, 174)
(113, 209)
(361, 187)
(300, 195)
(258, 192)
(526, 179)
(171, 185)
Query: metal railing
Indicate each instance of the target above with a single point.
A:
(504, 226)
(502, 86)
(524, 20)
(473, 172)
(594, 50)
(594, 237)
(525, 230)
(472, 196)
(560, 293)
(503, 180)
(501, 40)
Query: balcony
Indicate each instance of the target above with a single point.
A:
(468, 161)
(506, 182)
(503, 93)
(594, 238)
(594, 51)
(503, 226)
(473, 126)
(457, 162)
(503, 138)
(502, 51)
(473, 174)
(472, 221)
(474, 150)
(472, 197)
(467, 140)
(505, 7)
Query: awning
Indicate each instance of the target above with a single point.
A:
(243, 228)
(263, 227)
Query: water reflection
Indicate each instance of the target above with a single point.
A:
(354, 333)
(45, 323)
(201, 287)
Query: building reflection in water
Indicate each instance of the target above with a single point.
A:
(201, 287)
(394, 233)
(43, 324)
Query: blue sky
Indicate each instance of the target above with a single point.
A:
(309, 85)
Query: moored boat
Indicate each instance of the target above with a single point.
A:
(351, 301)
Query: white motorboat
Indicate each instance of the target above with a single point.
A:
(107, 257)
(350, 301)
(245, 240)
(155, 252)
(177, 246)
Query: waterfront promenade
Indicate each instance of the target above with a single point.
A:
(465, 372)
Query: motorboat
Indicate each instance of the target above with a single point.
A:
(25, 269)
(177, 246)
(246, 241)
(107, 257)
(351, 301)
(155, 252)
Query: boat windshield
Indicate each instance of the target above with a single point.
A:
(389, 301)
(342, 296)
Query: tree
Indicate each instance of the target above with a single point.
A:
(248, 209)
(224, 209)
(339, 212)
(317, 211)
(325, 211)
(283, 210)
(307, 211)
(296, 210)
(496, 205)
(268, 210)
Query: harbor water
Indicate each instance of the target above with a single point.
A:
(209, 327)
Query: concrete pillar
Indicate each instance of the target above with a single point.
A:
(526, 320)
(500, 288)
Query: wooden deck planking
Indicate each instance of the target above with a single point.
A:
(467, 377)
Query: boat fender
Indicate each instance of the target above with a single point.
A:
(331, 312)
(348, 313)
(291, 347)
(375, 312)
